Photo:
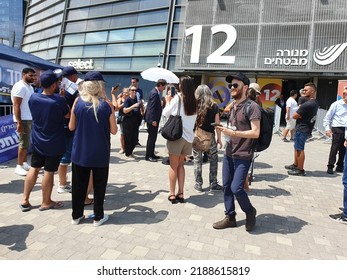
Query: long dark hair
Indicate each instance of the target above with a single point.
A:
(187, 89)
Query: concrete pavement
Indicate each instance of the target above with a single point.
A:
(292, 221)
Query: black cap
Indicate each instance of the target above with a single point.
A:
(93, 76)
(239, 76)
(69, 70)
(48, 78)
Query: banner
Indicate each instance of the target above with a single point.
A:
(9, 139)
(270, 91)
(220, 91)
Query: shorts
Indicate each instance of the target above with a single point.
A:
(50, 163)
(24, 138)
(66, 158)
(300, 140)
(179, 147)
(121, 128)
(290, 124)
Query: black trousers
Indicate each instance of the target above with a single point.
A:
(131, 134)
(80, 179)
(152, 138)
(337, 147)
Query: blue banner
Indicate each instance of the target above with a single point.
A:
(9, 139)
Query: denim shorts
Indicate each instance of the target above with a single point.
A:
(300, 140)
(66, 158)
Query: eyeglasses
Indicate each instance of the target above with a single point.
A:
(133, 90)
(234, 85)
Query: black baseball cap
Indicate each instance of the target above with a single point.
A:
(93, 76)
(239, 76)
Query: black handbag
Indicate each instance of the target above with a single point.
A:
(173, 128)
(120, 119)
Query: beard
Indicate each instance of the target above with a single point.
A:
(236, 94)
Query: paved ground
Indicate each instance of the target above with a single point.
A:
(292, 221)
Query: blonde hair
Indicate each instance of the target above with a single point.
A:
(93, 92)
(204, 101)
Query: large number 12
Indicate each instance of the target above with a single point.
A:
(217, 55)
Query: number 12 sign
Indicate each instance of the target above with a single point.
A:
(218, 55)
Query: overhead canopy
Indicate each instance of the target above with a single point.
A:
(15, 55)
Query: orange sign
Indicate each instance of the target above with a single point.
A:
(270, 91)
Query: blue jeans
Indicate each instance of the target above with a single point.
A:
(234, 173)
(344, 182)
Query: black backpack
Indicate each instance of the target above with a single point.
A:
(266, 128)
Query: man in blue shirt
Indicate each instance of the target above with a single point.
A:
(334, 123)
(48, 111)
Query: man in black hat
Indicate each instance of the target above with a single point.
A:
(70, 88)
(239, 153)
(47, 139)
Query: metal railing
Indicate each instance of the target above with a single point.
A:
(6, 110)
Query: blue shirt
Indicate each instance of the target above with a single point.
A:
(47, 134)
(91, 144)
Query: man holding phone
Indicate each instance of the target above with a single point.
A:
(152, 118)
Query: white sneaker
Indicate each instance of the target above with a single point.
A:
(77, 221)
(100, 222)
(26, 166)
(20, 171)
(64, 189)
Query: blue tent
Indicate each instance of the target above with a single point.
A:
(15, 55)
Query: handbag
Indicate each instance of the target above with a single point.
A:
(120, 119)
(202, 140)
(173, 128)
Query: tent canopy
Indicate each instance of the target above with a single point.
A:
(15, 55)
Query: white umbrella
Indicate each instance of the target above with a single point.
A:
(155, 73)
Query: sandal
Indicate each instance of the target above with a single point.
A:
(172, 198)
(180, 198)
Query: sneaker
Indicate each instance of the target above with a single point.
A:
(100, 222)
(330, 170)
(250, 219)
(26, 166)
(216, 187)
(64, 189)
(339, 169)
(297, 172)
(198, 187)
(338, 218)
(285, 140)
(20, 170)
(291, 167)
(121, 151)
(77, 221)
(229, 221)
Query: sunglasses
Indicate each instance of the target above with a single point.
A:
(133, 90)
(234, 85)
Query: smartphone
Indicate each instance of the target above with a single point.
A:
(173, 91)
(216, 124)
(117, 85)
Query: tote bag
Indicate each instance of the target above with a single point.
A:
(173, 128)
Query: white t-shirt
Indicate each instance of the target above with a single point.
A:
(293, 106)
(22, 90)
(188, 122)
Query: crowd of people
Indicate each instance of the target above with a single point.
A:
(68, 109)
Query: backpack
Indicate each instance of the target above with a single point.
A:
(266, 128)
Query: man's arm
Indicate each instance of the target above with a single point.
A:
(17, 101)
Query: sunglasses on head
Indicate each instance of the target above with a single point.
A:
(234, 85)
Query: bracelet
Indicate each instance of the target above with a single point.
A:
(234, 132)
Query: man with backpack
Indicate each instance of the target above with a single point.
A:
(239, 152)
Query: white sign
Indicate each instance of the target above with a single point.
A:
(82, 65)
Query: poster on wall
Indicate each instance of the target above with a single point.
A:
(340, 88)
(220, 91)
(270, 91)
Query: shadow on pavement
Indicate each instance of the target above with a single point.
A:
(14, 236)
(269, 177)
(270, 192)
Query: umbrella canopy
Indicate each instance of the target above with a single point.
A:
(155, 73)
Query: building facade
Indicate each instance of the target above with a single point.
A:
(11, 22)
(280, 44)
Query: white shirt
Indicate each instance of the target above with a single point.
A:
(293, 106)
(22, 90)
(188, 122)
(336, 115)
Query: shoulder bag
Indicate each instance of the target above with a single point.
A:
(173, 128)
(202, 140)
